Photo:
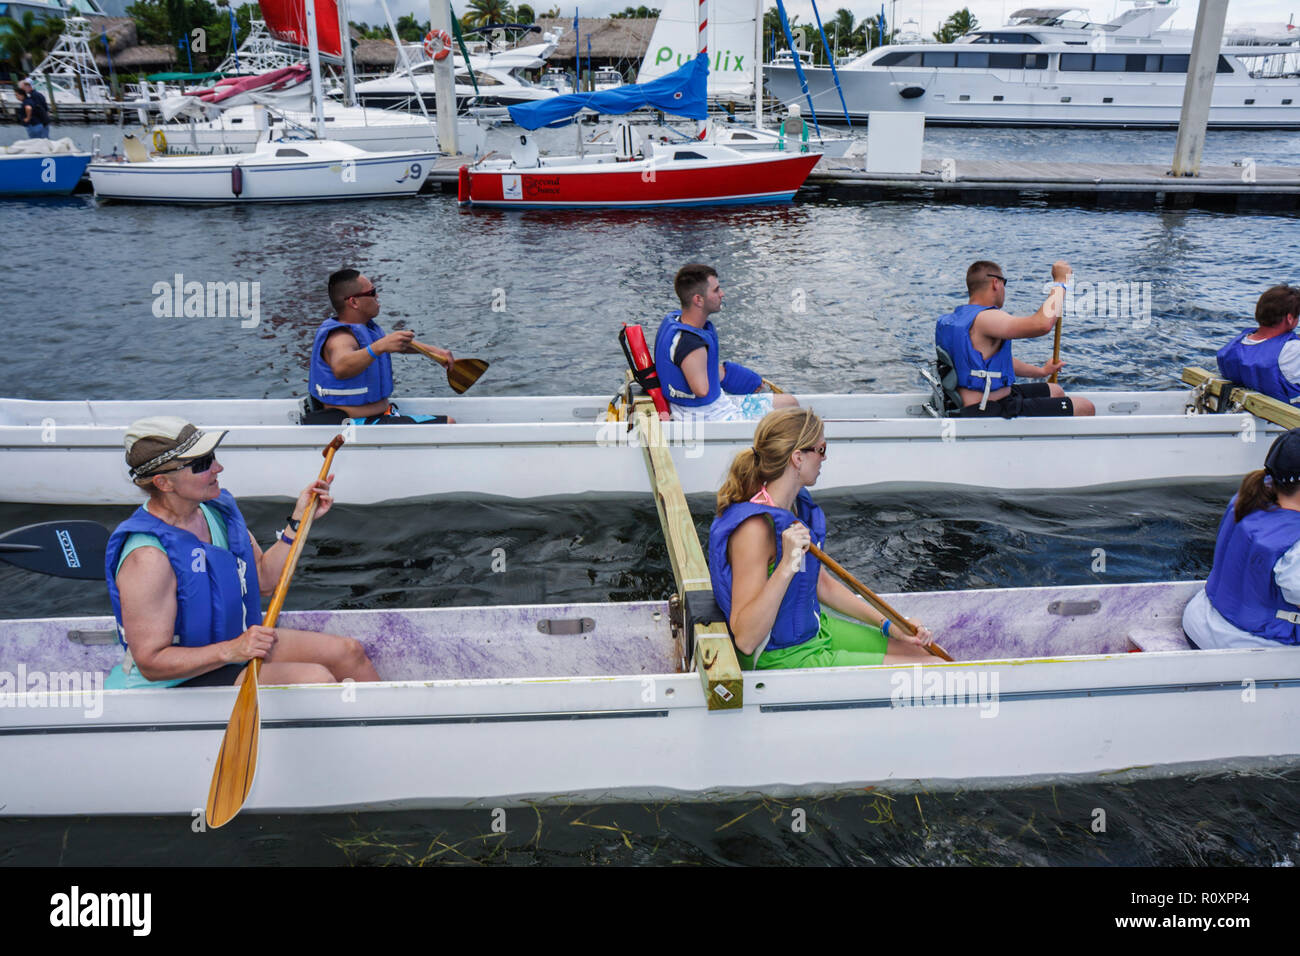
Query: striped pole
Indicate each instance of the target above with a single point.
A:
(702, 46)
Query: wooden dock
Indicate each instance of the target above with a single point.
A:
(1245, 188)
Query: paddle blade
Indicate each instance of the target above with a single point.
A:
(232, 777)
(65, 549)
(465, 373)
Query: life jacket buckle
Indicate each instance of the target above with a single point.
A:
(988, 377)
(1291, 616)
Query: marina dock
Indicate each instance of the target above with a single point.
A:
(1243, 188)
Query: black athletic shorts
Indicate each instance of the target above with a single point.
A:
(223, 676)
(1033, 400)
(335, 416)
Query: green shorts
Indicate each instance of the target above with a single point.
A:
(838, 643)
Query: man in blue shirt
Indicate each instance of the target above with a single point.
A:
(1267, 359)
(36, 112)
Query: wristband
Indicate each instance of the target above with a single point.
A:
(372, 352)
(285, 538)
(293, 522)
(884, 628)
(739, 380)
(1062, 285)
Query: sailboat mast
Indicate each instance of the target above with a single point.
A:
(758, 63)
(702, 45)
(345, 42)
(313, 57)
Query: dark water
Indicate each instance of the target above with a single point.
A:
(870, 277)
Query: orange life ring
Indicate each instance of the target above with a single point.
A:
(443, 38)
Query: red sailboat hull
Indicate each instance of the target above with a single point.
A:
(640, 183)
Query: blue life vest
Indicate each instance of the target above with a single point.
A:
(676, 389)
(1255, 366)
(952, 334)
(1241, 586)
(798, 618)
(373, 385)
(218, 605)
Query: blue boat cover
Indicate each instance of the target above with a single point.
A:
(683, 92)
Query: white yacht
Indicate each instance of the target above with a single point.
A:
(1046, 69)
(496, 72)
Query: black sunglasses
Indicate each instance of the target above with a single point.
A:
(198, 465)
(992, 276)
(372, 292)
(820, 451)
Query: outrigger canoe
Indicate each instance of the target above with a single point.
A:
(68, 452)
(502, 706)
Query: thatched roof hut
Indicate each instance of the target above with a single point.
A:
(140, 59)
(618, 43)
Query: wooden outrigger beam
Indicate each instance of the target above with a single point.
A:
(1228, 396)
(714, 656)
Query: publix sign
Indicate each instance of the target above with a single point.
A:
(723, 61)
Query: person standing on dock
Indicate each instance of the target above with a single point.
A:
(185, 576)
(36, 112)
(973, 343)
(764, 580)
(695, 381)
(351, 375)
(1267, 359)
(1252, 597)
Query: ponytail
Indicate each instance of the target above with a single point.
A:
(1259, 491)
(776, 438)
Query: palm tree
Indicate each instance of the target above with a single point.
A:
(841, 29)
(483, 12)
(25, 41)
(958, 24)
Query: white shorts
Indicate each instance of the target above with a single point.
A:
(728, 408)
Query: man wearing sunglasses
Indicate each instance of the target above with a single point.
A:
(973, 343)
(351, 372)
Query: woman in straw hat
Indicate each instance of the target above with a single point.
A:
(762, 578)
(184, 576)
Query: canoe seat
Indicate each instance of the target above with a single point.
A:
(1164, 639)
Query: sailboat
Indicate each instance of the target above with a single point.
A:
(294, 171)
(637, 174)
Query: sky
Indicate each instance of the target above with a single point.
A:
(929, 13)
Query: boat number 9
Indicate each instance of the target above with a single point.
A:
(415, 170)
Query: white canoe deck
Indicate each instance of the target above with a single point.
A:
(71, 452)
(481, 708)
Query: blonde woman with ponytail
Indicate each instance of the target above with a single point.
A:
(1252, 598)
(763, 579)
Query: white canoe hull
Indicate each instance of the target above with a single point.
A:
(71, 452)
(458, 731)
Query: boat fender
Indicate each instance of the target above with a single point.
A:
(643, 369)
(437, 52)
(236, 180)
(462, 185)
(911, 92)
(160, 141)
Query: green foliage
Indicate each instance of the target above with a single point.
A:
(524, 14)
(410, 29)
(27, 38)
(958, 24)
(483, 12)
(636, 13)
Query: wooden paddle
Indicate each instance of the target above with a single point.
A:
(775, 388)
(1056, 340)
(232, 777)
(65, 549)
(870, 597)
(462, 374)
